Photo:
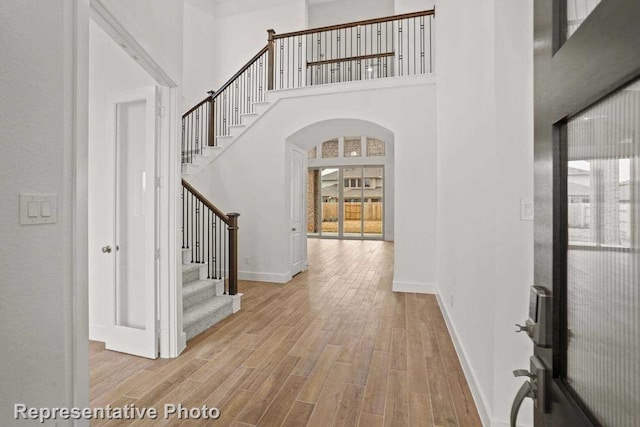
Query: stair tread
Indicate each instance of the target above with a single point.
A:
(186, 268)
(204, 309)
(197, 286)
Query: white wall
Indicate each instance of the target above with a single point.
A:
(406, 6)
(110, 70)
(157, 26)
(341, 11)
(256, 161)
(241, 30)
(39, 264)
(199, 61)
(485, 165)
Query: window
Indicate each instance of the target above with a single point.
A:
(352, 147)
(352, 183)
(368, 183)
(375, 147)
(330, 149)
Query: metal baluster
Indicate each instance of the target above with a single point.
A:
(182, 228)
(208, 244)
(197, 234)
(422, 45)
(414, 45)
(400, 49)
(191, 240)
(430, 58)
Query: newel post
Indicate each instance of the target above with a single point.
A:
(272, 60)
(212, 117)
(233, 252)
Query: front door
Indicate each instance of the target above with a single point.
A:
(587, 223)
(131, 253)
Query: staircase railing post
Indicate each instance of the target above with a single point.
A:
(212, 117)
(233, 252)
(272, 63)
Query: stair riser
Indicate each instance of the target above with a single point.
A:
(198, 297)
(186, 256)
(235, 131)
(207, 322)
(190, 276)
(261, 108)
(248, 119)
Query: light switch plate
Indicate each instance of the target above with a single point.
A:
(38, 209)
(526, 209)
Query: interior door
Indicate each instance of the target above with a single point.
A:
(132, 251)
(298, 192)
(587, 136)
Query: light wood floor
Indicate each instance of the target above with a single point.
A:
(333, 347)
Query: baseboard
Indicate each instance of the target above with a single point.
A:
(182, 342)
(97, 333)
(264, 277)
(472, 380)
(418, 288)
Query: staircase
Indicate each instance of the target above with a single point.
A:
(392, 46)
(205, 155)
(209, 263)
(203, 300)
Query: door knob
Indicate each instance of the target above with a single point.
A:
(534, 388)
(293, 229)
(106, 249)
(525, 391)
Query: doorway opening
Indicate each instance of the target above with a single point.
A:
(346, 189)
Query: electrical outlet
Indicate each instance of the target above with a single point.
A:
(451, 300)
(247, 260)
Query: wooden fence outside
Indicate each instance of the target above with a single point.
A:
(352, 211)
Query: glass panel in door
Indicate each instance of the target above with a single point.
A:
(131, 215)
(372, 208)
(329, 193)
(603, 258)
(352, 188)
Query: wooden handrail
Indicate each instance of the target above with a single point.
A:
(356, 23)
(206, 202)
(199, 104)
(228, 83)
(351, 58)
(242, 70)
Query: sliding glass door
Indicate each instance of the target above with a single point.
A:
(346, 202)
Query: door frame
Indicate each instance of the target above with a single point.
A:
(569, 83)
(304, 261)
(340, 235)
(77, 14)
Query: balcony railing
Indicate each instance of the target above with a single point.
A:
(399, 45)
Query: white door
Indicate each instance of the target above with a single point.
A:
(131, 252)
(298, 234)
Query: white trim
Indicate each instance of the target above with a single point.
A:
(97, 333)
(76, 55)
(255, 276)
(182, 342)
(373, 84)
(168, 169)
(478, 397)
(236, 302)
(418, 288)
(109, 23)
